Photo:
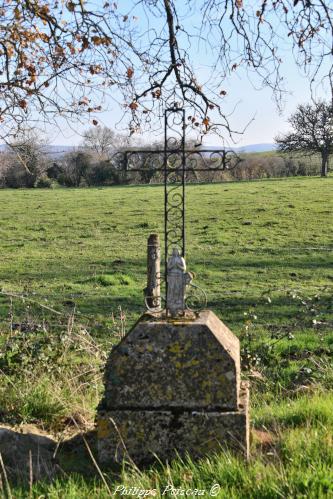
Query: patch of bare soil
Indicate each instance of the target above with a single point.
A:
(29, 454)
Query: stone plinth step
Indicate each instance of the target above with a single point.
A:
(142, 435)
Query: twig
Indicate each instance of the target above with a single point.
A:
(22, 297)
(124, 445)
(92, 458)
(30, 474)
(9, 493)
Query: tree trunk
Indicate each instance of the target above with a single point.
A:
(324, 164)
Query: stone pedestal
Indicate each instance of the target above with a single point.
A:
(173, 387)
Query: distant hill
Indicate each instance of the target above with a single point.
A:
(52, 151)
(57, 151)
(249, 148)
(258, 148)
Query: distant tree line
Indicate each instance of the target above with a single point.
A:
(101, 159)
(81, 169)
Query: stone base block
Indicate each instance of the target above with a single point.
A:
(174, 363)
(143, 435)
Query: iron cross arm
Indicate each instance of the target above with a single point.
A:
(203, 160)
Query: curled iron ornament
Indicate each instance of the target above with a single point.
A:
(201, 160)
(174, 183)
(195, 298)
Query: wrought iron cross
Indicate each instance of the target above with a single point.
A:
(175, 163)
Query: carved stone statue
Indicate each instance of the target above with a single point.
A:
(177, 280)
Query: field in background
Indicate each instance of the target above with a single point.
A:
(83, 168)
(274, 164)
(263, 252)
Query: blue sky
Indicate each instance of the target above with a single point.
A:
(254, 109)
(245, 104)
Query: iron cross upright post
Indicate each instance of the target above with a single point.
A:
(178, 163)
(176, 277)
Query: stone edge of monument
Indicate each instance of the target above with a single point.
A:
(146, 435)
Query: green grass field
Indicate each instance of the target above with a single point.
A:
(72, 271)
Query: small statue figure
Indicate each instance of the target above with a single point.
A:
(178, 278)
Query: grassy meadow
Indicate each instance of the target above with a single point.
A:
(72, 273)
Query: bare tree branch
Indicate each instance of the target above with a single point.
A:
(68, 59)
